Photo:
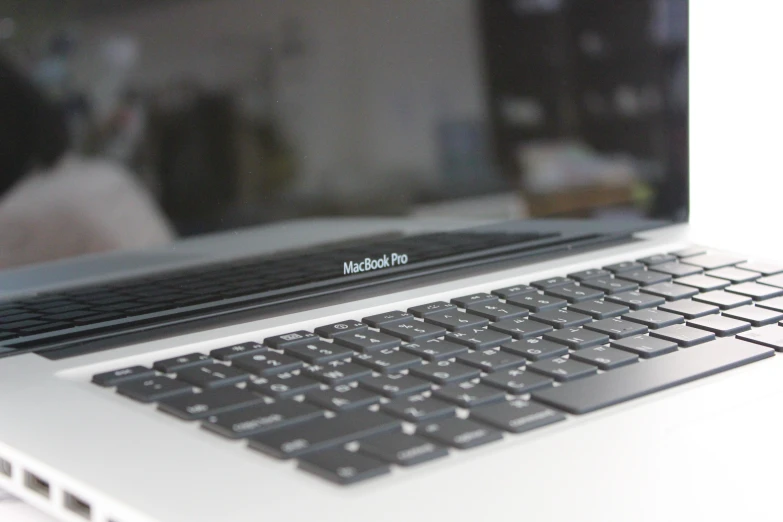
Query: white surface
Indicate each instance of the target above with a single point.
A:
(702, 452)
(660, 447)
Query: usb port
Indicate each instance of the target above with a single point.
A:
(5, 468)
(77, 505)
(36, 484)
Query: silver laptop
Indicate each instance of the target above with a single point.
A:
(349, 261)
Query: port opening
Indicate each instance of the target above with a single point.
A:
(5, 468)
(36, 484)
(77, 505)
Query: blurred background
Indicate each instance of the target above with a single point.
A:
(158, 119)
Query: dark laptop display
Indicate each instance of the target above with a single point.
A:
(149, 121)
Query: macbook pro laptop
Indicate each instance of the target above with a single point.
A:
(374, 260)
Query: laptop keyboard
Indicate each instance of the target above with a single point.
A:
(351, 399)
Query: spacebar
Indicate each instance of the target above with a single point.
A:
(640, 379)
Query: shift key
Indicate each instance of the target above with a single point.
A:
(324, 433)
(630, 382)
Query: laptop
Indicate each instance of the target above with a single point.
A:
(383, 260)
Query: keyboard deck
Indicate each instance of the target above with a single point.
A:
(349, 400)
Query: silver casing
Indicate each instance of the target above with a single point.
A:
(702, 451)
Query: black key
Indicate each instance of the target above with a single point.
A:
(671, 291)
(772, 304)
(229, 352)
(593, 273)
(636, 300)
(604, 357)
(645, 277)
(455, 320)
(267, 363)
(321, 434)
(645, 346)
(459, 433)
(479, 338)
(771, 336)
(337, 372)
(537, 303)
(402, 449)
(654, 319)
(611, 286)
(99, 318)
(491, 360)
(720, 325)
(119, 376)
(678, 269)
(283, 385)
(469, 394)
(521, 328)
(212, 376)
(342, 466)
(342, 397)
(577, 338)
(625, 266)
(655, 375)
(756, 291)
(516, 381)
(516, 416)
(775, 280)
(467, 300)
(414, 332)
(445, 372)
(42, 328)
(767, 269)
(319, 352)
(683, 335)
(723, 300)
(688, 252)
(435, 349)
(552, 282)
(497, 311)
(344, 327)
(599, 309)
(260, 418)
(367, 340)
(387, 361)
(690, 309)
(419, 408)
(153, 389)
(703, 282)
(281, 342)
(211, 402)
(394, 316)
(431, 308)
(561, 318)
(617, 328)
(574, 293)
(755, 315)
(175, 364)
(535, 349)
(711, 261)
(657, 259)
(512, 291)
(563, 369)
(395, 385)
(21, 315)
(70, 316)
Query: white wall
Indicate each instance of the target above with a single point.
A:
(366, 96)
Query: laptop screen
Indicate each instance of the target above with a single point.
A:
(132, 124)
